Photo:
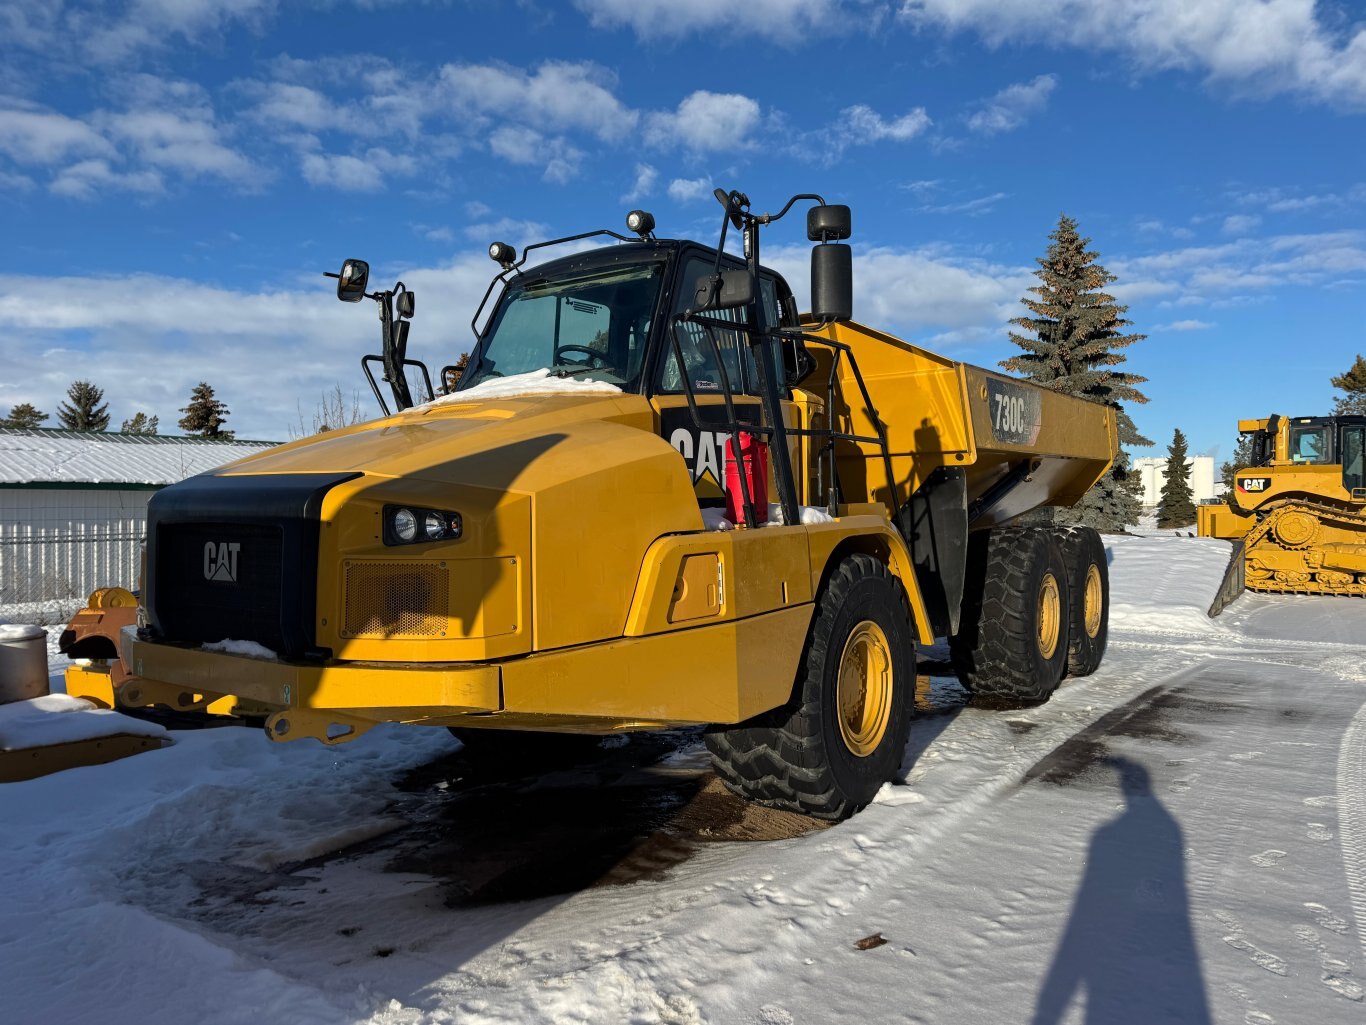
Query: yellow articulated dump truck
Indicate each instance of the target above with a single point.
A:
(1297, 515)
(579, 539)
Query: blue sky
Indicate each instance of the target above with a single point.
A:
(176, 174)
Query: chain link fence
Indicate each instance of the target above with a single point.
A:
(46, 574)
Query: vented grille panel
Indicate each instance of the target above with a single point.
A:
(242, 602)
(396, 599)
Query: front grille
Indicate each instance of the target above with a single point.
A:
(220, 592)
(396, 599)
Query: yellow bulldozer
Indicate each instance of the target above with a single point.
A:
(1297, 515)
(578, 538)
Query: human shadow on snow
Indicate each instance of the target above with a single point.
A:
(1128, 945)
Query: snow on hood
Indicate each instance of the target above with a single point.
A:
(537, 382)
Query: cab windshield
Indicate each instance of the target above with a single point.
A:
(591, 327)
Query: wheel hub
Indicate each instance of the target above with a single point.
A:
(864, 689)
(1092, 602)
(1050, 615)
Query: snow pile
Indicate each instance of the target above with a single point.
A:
(715, 519)
(249, 649)
(537, 382)
(1173, 593)
(60, 719)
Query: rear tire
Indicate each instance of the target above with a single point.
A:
(1011, 647)
(1088, 580)
(829, 750)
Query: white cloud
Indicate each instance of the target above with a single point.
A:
(1199, 274)
(706, 121)
(33, 135)
(155, 337)
(689, 190)
(15, 182)
(979, 205)
(558, 95)
(1183, 325)
(862, 124)
(784, 21)
(341, 171)
(156, 24)
(1258, 45)
(518, 144)
(646, 176)
(92, 179)
(507, 229)
(1240, 224)
(919, 292)
(1012, 106)
(190, 145)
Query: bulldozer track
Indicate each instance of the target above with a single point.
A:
(1327, 513)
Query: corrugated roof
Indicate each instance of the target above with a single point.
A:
(41, 455)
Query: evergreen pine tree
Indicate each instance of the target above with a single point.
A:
(86, 410)
(1075, 332)
(1177, 508)
(23, 414)
(140, 423)
(205, 415)
(1353, 383)
(456, 372)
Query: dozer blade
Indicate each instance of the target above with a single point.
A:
(1234, 582)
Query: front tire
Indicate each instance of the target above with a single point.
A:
(829, 750)
(1011, 647)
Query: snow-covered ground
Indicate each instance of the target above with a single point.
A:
(1179, 838)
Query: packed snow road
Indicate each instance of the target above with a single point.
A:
(1180, 837)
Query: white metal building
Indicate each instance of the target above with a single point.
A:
(1152, 471)
(73, 505)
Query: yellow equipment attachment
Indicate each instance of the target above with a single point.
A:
(1298, 516)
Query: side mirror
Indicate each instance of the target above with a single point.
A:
(832, 281)
(828, 223)
(405, 303)
(724, 291)
(351, 282)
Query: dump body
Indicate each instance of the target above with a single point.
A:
(1298, 517)
(582, 590)
(942, 414)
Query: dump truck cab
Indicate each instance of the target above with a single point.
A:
(579, 538)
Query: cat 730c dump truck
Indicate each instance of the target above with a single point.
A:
(541, 550)
(1297, 515)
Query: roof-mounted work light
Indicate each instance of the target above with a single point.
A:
(502, 254)
(642, 222)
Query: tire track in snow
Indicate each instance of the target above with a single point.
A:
(1352, 816)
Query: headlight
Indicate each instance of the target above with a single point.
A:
(404, 525)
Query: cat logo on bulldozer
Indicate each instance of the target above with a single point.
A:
(1253, 485)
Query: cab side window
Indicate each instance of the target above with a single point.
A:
(1353, 444)
(1309, 445)
(699, 358)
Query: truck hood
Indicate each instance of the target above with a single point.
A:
(445, 441)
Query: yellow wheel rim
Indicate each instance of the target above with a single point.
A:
(864, 689)
(1094, 600)
(1050, 616)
